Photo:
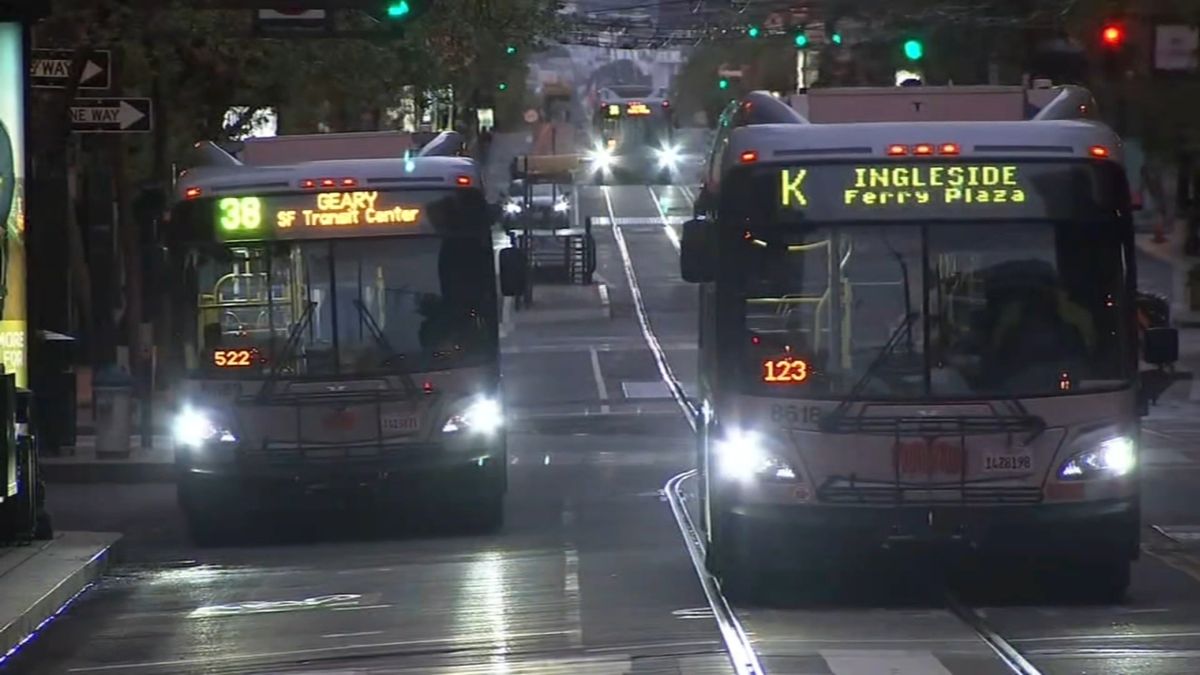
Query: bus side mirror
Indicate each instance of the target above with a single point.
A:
(697, 263)
(1160, 346)
(512, 272)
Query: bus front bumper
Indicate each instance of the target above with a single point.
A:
(417, 471)
(1109, 528)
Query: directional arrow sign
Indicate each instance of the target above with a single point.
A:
(51, 69)
(111, 115)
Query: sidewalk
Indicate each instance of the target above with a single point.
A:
(38, 581)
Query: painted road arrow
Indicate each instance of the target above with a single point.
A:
(51, 69)
(112, 115)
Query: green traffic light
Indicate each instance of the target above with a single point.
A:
(914, 50)
(723, 83)
(753, 31)
(503, 86)
(836, 38)
(801, 40)
(399, 10)
(510, 50)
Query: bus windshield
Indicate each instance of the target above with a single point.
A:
(349, 306)
(953, 310)
(627, 133)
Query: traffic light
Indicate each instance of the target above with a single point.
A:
(800, 39)
(1112, 35)
(914, 50)
(723, 83)
(753, 31)
(510, 50)
(399, 10)
(502, 86)
(835, 38)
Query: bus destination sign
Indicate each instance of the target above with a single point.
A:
(312, 214)
(938, 190)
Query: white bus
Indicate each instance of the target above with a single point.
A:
(917, 332)
(336, 327)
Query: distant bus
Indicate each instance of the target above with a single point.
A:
(633, 137)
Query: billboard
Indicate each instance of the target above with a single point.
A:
(13, 325)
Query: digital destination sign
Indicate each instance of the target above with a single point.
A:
(314, 214)
(787, 370)
(235, 358)
(637, 109)
(938, 190)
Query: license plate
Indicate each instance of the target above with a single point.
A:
(404, 424)
(1003, 462)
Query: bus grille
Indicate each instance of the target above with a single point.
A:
(920, 495)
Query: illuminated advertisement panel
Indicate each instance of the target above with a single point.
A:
(13, 345)
(944, 190)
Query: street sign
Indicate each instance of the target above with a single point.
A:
(291, 21)
(1175, 48)
(111, 115)
(51, 68)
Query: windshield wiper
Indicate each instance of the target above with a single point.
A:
(381, 339)
(289, 348)
(831, 422)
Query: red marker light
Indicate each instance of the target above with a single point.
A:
(1098, 151)
(666, 104)
(948, 149)
(464, 181)
(1112, 35)
(427, 387)
(749, 157)
(328, 182)
(754, 339)
(897, 150)
(349, 182)
(192, 193)
(308, 183)
(923, 149)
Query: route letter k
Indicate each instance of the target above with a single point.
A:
(791, 187)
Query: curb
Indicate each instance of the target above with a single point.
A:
(44, 606)
(107, 472)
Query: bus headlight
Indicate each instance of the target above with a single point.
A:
(601, 158)
(1111, 459)
(741, 456)
(193, 428)
(668, 157)
(483, 416)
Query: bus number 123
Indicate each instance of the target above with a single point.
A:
(785, 371)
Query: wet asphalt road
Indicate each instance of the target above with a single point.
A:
(590, 574)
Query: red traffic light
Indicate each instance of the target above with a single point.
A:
(1112, 35)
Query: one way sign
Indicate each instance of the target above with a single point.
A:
(111, 115)
(51, 68)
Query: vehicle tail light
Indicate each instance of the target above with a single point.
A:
(749, 156)
(328, 182)
(349, 182)
(463, 181)
(1098, 151)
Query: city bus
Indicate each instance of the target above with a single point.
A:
(632, 138)
(916, 335)
(336, 330)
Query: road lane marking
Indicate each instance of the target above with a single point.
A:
(883, 662)
(601, 389)
(571, 577)
(667, 228)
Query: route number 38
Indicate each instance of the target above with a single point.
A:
(239, 213)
